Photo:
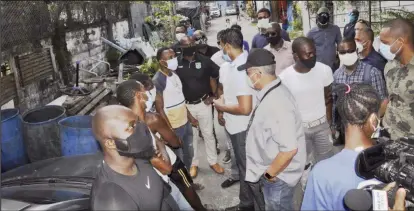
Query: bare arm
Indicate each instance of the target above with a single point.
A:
(213, 85)
(328, 103)
(244, 106)
(161, 161)
(157, 124)
(159, 106)
(219, 89)
(383, 107)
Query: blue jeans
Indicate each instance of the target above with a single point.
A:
(277, 195)
(186, 152)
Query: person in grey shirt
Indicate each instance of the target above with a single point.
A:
(326, 37)
(275, 143)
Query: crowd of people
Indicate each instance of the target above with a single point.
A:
(280, 107)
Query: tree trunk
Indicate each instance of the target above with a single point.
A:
(274, 5)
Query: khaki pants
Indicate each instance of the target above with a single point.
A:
(204, 116)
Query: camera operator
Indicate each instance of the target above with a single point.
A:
(358, 106)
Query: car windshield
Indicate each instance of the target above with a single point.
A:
(214, 8)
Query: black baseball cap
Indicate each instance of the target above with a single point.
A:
(258, 57)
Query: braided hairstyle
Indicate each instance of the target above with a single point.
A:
(356, 102)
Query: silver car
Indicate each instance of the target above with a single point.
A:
(215, 12)
(231, 11)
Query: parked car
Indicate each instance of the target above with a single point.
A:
(55, 184)
(231, 11)
(215, 12)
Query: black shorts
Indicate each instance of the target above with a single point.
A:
(180, 176)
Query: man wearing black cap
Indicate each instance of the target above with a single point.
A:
(275, 143)
(349, 30)
(326, 37)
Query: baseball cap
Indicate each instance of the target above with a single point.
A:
(354, 12)
(323, 10)
(256, 58)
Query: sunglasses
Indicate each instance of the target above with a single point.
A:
(260, 18)
(348, 51)
(270, 34)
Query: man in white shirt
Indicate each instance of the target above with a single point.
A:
(220, 131)
(235, 105)
(310, 83)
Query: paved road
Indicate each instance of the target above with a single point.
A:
(213, 194)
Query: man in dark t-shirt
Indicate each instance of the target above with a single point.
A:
(127, 180)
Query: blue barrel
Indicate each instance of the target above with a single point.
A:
(13, 153)
(76, 136)
(41, 132)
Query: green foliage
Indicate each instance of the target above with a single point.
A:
(250, 11)
(297, 17)
(295, 34)
(313, 6)
(112, 54)
(149, 67)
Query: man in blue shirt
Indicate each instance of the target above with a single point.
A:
(326, 37)
(330, 179)
(364, 39)
(260, 40)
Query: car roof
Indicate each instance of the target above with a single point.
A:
(76, 166)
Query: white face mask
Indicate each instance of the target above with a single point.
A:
(179, 36)
(263, 23)
(385, 51)
(360, 46)
(151, 98)
(348, 59)
(249, 81)
(377, 130)
(172, 64)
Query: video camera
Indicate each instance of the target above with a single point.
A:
(389, 161)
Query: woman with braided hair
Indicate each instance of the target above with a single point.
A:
(358, 106)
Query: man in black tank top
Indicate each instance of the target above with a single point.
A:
(127, 180)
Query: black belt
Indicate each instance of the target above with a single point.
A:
(198, 101)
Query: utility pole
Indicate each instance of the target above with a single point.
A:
(369, 11)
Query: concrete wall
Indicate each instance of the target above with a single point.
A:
(138, 13)
(93, 47)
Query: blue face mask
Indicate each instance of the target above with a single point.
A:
(385, 51)
(352, 18)
(226, 57)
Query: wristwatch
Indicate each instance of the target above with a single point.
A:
(268, 176)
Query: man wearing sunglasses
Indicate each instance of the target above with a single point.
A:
(281, 49)
(354, 71)
(259, 40)
(326, 37)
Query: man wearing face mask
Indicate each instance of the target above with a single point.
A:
(180, 32)
(281, 49)
(126, 179)
(234, 107)
(326, 37)
(128, 94)
(259, 40)
(397, 46)
(275, 143)
(366, 53)
(349, 30)
(330, 179)
(198, 75)
(355, 71)
(310, 82)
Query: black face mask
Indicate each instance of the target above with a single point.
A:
(189, 51)
(323, 18)
(274, 40)
(138, 145)
(308, 63)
